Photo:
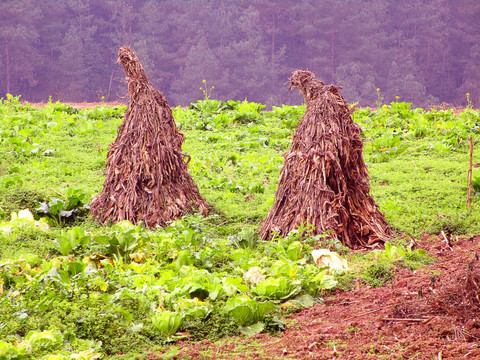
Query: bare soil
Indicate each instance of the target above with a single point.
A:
(431, 313)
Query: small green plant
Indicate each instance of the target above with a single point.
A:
(249, 313)
(61, 210)
(379, 101)
(124, 241)
(209, 114)
(321, 281)
(167, 322)
(37, 343)
(411, 259)
(378, 273)
(353, 329)
(206, 90)
(248, 112)
(246, 239)
(387, 146)
(294, 250)
(193, 308)
(289, 115)
(71, 239)
(276, 288)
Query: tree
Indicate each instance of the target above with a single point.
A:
(18, 47)
(419, 44)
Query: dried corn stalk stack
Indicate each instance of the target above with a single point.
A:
(324, 181)
(147, 176)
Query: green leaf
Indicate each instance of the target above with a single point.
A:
(232, 285)
(401, 251)
(388, 250)
(71, 239)
(65, 213)
(183, 258)
(167, 322)
(243, 314)
(197, 312)
(43, 207)
(65, 245)
(251, 330)
(45, 340)
(76, 267)
(276, 288)
(321, 281)
(420, 252)
(55, 206)
(304, 301)
(294, 250)
(8, 351)
(123, 226)
(242, 309)
(246, 239)
(54, 275)
(284, 268)
(102, 239)
(263, 308)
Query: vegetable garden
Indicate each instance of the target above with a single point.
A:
(73, 289)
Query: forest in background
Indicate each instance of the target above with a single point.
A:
(423, 51)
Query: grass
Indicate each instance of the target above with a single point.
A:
(418, 167)
(435, 184)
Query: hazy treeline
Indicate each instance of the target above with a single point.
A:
(423, 51)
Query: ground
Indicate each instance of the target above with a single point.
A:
(430, 313)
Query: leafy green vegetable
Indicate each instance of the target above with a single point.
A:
(246, 239)
(321, 281)
(167, 322)
(60, 210)
(71, 239)
(294, 250)
(247, 311)
(125, 240)
(276, 288)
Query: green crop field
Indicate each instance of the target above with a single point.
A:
(72, 289)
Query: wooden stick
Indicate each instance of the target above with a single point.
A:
(346, 303)
(423, 321)
(469, 176)
(56, 192)
(449, 244)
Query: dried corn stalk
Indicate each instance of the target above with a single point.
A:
(147, 176)
(324, 181)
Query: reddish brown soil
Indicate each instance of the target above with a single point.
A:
(432, 313)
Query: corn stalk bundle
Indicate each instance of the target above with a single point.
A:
(324, 181)
(147, 177)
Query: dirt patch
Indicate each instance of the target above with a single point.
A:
(432, 313)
